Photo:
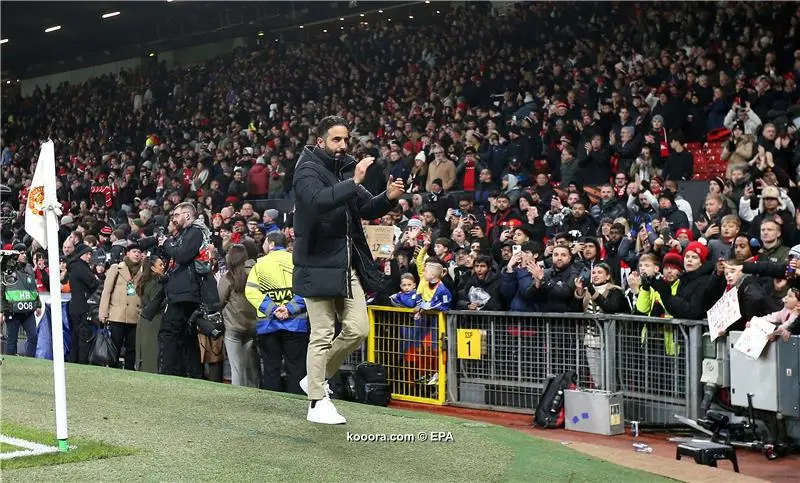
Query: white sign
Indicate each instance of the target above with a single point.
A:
(754, 338)
(724, 313)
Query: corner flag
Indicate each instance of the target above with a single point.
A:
(41, 222)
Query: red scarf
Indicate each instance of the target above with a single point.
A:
(663, 143)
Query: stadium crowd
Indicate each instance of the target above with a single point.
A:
(542, 152)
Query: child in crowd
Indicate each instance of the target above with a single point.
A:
(407, 296)
(787, 318)
(421, 341)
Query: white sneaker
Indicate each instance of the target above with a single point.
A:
(434, 380)
(324, 412)
(304, 386)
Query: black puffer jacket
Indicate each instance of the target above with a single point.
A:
(490, 284)
(556, 292)
(689, 302)
(329, 238)
(82, 283)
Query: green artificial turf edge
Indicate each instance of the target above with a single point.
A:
(80, 449)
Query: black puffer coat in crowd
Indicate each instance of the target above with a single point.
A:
(329, 238)
(557, 291)
(689, 302)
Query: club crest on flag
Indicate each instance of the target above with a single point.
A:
(36, 201)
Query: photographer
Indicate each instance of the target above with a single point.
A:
(21, 304)
(178, 346)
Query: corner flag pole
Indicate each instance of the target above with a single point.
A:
(59, 377)
(41, 222)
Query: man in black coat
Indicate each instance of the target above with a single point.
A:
(333, 265)
(484, 278)
(179, 351)
(82, 284)
(554, 288)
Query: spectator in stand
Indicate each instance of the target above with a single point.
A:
(744, 117)
(680, 162)
(441, 168)
(516, 278)
(753, 300)
(669, 213)
(772, 203)
(723, 246)
(553, 289)
(687, 301)
(277, 175)
(608, 207)
(481, 290)
(594, 162)
(772, 247)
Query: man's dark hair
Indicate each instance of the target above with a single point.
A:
(328, 122)
(485, 259)
(444, 242)
(278, 238)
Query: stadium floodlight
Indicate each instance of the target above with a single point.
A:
(52, 29)
(411, 17)
(341, 19)
(361, 15)
(261, 34)
(3, 41)
(151, 54)
(110, 14)
(302, 27)
(325, 31)
(380, 11)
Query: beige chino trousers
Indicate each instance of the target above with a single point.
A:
(326, 354)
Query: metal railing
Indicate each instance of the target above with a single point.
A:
(413, 350)
(501, 360)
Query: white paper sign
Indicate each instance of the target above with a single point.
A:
(754, 337)
(724, 313)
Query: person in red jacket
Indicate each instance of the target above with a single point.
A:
(258, 180)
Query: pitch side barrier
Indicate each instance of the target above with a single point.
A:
(501, 360)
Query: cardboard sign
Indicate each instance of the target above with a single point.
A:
(381, 240)
(724, 313)
(754, 338)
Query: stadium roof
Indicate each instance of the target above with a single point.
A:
(86, 38)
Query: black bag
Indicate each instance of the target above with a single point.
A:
(550, 411)
(103, 353)
(343, 385)
(371, 384)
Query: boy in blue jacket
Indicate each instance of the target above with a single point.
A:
(407, 296)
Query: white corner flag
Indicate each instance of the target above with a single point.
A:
(42, 210)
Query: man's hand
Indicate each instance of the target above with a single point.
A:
(361, 169)
(38, 311)
(161, 240)
(473, 306)
(281, 313)
(395, 188)
(634, 282)
(713, 230)
(536, 271)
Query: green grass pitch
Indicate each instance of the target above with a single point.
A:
(179, 429)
